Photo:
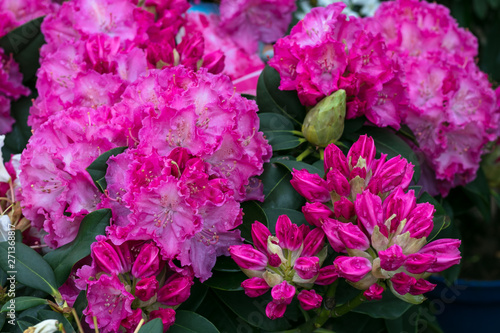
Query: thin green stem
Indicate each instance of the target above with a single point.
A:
(75, 315)
(322, 154)
(305, 153)
(350, 305)
(298, 133)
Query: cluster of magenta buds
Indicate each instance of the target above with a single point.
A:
(366, 212)
(130, 283)
(284, 263)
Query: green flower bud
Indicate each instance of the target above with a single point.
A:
(324, 123)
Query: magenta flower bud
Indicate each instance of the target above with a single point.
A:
(310, 186)
(307, 267)
(446, 252)
(274, 260)
(352, 268)
(335, 159)
(146, 288)
(343, 208)
(353, 237)
(147, 262)
(402, 283)
(130, 323)
(283, 293)
(316, 212)
(368, 208)
(214, 61)
(247, 257)
(260, 234)
(392, 258)
(106, 257)
(314, 242)
(421, 287)
(255, 287)
(374, 292)
(289, 234)
(418, 263)
(327, 275)
(391, 174)
(399, 204)
(331, 230)
(309, 299)
(338, 183)
(176, 290)
(364, 148)
(167, 317)
(420, 221)
(275, 310)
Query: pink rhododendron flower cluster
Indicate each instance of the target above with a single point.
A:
(381, 228)
(348, 176)
(11, 88)
(194, 148)
(326, 52)
(241, 66)
(128, 282)
(453, 111)
(14, 13)
(284, 263)
(95, 49)
(251, 21)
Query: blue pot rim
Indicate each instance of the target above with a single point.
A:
(469, 283)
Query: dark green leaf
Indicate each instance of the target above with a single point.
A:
(190, 322)
(31, 270)
(273, 213)
(80, 303)
(3, 319)
(441, 219)
(478, 192)
(24, 302)
(198, 293)
(389, 143)
(152, 326)
(24, 44)
(278, 191)
(222, 317)
(97, 170)
(357, 323)
(229, 281)
(63, 259)
(24, 324)
(252, 310)
(353, 125)
(480, 8)
(290, 163)
(271, 99)
(47, 314)
(248, 96)
(281, 142)
(251, 212)
(226, 264)
(275, 122)
(16, 140)
(417, 189)
(389, 307)
(494, 3)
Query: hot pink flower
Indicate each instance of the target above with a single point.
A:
(341, 54)
(255, 287)
(166, 315)
(374, 292)
(307, 267)
(309, 299)
(247, 257)
(310, 186)
(109, 302)
(176, 290)
(352, 268)
(146, 288)
(251, 21)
